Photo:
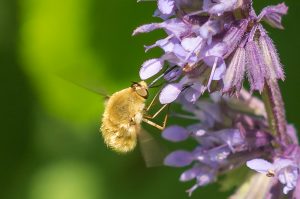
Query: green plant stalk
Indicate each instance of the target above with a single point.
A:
(275, 111)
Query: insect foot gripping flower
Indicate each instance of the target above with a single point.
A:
(225, 138)
(209, 41)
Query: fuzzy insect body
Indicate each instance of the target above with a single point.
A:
(121, 122)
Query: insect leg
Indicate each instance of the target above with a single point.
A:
(152, 102)
(153, 124)
(146, 118)
(160, 110)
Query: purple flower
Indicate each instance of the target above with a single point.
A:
(286, 168)
(210, 44)
(220, 142)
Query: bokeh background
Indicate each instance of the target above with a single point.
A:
(50, 147)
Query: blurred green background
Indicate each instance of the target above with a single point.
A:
(50, 146)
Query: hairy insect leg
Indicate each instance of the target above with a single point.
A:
(160, 127)
(154, 124)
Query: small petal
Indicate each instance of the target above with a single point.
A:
(219, 154)
(216, 49)
(193, 92)
(219, 6)
(170, 93)
(282, 163)
(159, 14)
(146, 28)
(173, 74)
(255, 66)
(197, 130)
(175, 133)
(167, 44)
(259, 165)
(234, 75)
(150, 68)
(179, 158)
(209, 29)
(273, 15)
(274, 69)
(190, 174)
(166, 7)
(191, 44)
(176, 27)
(234, 35)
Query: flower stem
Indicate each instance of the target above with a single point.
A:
(275, 111)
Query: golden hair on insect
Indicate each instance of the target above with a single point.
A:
(122, 117)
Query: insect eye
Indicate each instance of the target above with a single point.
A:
(142, 92)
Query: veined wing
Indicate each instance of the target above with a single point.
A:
(152, 151)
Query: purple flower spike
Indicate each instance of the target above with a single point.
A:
(150, 68)
(215, 33)
(211, 45)
(170, 93)
(175, 133)
(179, 158)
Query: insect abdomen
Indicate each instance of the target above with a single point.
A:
(121, 140)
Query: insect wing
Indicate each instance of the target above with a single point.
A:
(85, 85)
(152, 151)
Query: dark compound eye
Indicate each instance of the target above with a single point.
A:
(134, 85)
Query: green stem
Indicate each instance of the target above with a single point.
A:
(275, 111)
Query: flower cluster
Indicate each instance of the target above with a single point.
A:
(226, 135)
(285, 167)
(209, 41)
(211, 45)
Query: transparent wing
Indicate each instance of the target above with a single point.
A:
(85, 85)
(152, 151)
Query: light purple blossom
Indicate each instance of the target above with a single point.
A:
(286, 168)
(213, 45)
(207, 36)
(219, 140)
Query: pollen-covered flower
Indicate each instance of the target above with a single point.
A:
(215, 44)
